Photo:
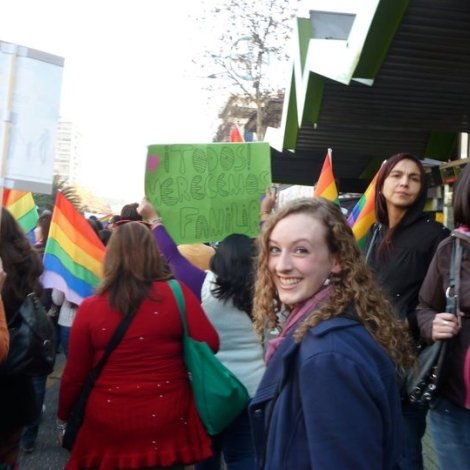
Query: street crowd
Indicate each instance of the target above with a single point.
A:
(322, 335)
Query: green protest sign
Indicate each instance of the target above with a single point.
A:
(208, 191)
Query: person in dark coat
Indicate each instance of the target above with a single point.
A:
(30, 433)
(23, 267)
(449, 417)
(399, 249)
(330, 396)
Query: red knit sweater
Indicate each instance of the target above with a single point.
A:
(141, 412)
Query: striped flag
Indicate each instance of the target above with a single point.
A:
(362, 216)
(74, 254)
(235, 135)
(326, 185)
(22, 207)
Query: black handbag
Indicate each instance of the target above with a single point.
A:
(77, 414)
(422, 383)
(32, 341)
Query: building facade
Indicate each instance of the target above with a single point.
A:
(68, 151)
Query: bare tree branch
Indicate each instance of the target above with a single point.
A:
(249, 41)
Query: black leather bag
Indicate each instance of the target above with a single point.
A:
(422, 383)
(32, 341)
(77, 414)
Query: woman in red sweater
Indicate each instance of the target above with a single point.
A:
(141, 413)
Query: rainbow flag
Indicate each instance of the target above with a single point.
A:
(326, 185)
(235, 135)
(22, 207)
(74, 254)
(362, 216)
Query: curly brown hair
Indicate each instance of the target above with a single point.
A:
(353, 286)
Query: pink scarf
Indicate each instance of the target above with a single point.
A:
(463, 229)
(294, 318)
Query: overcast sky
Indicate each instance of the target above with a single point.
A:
(128, 79)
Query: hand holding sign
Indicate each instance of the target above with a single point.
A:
(146, 210)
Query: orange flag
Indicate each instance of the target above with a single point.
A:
(235, 135)
(326, 185)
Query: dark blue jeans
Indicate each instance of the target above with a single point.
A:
(414, 420)
(64, 334)
(235, 445)
(30, 432)
(450, 429)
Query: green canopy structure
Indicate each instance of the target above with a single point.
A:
(370, 80)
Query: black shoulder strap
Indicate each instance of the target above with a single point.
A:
(118, 334)
(375, 231)
(452, 292)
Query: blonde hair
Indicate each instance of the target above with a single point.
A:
(353, 286)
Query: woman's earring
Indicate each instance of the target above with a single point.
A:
(331, 279)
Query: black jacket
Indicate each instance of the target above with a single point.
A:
(404, 266)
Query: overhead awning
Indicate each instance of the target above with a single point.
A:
(399, 82)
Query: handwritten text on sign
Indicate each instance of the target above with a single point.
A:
(206, 192)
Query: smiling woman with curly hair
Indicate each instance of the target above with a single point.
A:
(330, 395)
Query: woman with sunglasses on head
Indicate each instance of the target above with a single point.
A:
(399, 249)
(226, 294)
(330, 396)
(141, 412)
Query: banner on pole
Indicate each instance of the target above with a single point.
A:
(30, 87)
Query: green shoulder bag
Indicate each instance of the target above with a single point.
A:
(219, 396)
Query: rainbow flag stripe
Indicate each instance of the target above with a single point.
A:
(74, 254)
(326, 185)
(22, 207)
(362, 216)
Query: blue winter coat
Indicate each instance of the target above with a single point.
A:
(338, 407)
